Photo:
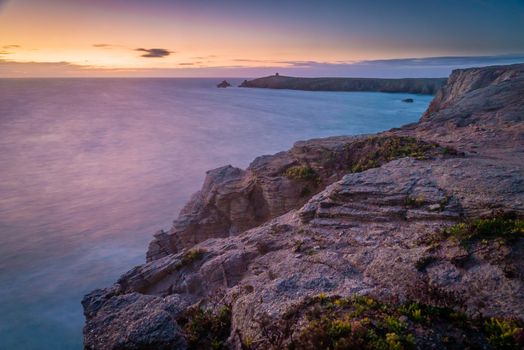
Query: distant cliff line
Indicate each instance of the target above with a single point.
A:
(428, 86)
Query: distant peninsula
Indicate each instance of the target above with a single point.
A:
(428, 86)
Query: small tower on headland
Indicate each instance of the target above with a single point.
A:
(276, 74)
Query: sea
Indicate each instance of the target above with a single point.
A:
(91, 168)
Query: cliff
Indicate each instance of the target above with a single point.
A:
(411, 238)
(408, 85)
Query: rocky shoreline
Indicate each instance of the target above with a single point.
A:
(411, 238)
(427, 86)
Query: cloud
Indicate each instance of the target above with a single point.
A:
(102, 45)
(388, 68)
(302, 63)
(40, 69)
(252, 60)
(448, 60)
(155, 53)
(383, 68)
(7, 47)
(204, 57)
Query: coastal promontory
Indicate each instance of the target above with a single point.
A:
(407, 85)
(410, 238)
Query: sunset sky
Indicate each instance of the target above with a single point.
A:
(251, 38)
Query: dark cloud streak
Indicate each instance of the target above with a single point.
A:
(154, 53)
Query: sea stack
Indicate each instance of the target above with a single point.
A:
(223, 84)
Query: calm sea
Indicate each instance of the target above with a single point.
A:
(91, 168)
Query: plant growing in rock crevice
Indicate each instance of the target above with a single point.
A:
(302, 173)
(382, 149)
(190, 257)
(206, 329)
(504, 334)
(501, 225)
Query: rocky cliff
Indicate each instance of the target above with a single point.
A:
(407, 85)
(411, 238)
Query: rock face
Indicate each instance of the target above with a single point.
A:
(233, 200)
(408, 85)
(223, 84)
(393, 216)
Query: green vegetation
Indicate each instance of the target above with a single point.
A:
(503, 334)
(414, 202)
(302, 173)
(361, 322)
(499, 226)
(384, 149)
(426, 314)
(190, 257)
(378, 150)
(352, 323)
(504, 226)
(205, 329)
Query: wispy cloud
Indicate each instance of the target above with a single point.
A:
(154, 53)
(302, 63)
(8, 47)
(204, 57)
(383, 68)
(449, 60)
(10, 68)
(392, 68)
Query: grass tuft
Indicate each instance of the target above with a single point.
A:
(302, 173)
(206, 329)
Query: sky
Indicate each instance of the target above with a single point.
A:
(234, 38)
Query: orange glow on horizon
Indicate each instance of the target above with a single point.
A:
(102, 37)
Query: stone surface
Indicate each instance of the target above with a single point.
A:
(265, 244)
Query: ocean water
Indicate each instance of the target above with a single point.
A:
(91, 168)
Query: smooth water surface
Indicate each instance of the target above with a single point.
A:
(91, 168)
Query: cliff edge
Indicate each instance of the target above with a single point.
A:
(411, 238)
